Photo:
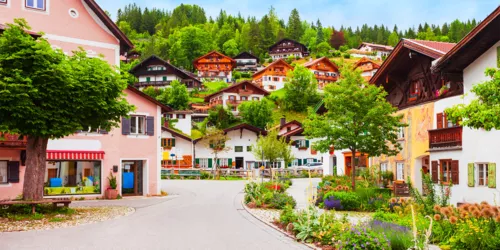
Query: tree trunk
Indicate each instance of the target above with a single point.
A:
(353, 169)
(36, 155)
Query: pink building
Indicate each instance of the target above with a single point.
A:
(78, 165)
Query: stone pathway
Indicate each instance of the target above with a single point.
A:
(300, 190)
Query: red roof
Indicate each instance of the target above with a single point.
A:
(216, 52)
(273, 63)
(313, 62)
(263, 91)
(443, 47)
(366, 60)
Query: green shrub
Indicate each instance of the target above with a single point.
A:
(287, 216)
(362, 238)
(281, 200)
(346, 55)
(350, 201)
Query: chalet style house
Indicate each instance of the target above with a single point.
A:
(177, 147)
(159, 73)
(239, 154)
(286, 48)
(467, 157)
(273, 76)
(235, 94)
(415, 90)
(215, 66)
(367, 66)
(246, 62)
(324, 70)
(372, 50)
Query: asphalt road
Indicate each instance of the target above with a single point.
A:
(198, 215)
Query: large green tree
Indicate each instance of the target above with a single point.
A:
(482, 111)
(272, 148)
(188, 44)
(294, 27)
(257, 113)
(221, 117)
(178, 96)
(300, 89)
(46, 95)
(358, 119)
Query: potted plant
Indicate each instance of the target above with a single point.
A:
(387, 177)
(111, 192)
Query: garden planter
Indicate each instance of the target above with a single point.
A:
(111, 194)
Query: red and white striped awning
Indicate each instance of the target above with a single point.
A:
(74, 155)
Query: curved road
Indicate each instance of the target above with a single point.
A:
(199, 215)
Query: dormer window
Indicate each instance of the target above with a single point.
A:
(35, 4)
(3, 2)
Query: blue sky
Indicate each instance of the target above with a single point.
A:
(404, 13)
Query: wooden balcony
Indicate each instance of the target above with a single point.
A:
(215, 103)
(12, 141)
(245, 92)
(445, 139)
(152, 83)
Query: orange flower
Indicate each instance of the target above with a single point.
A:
(437, 208)
(497, 219)
(464, 214)
(476, 213)
(466, 207)
(437, 217)
(393, 200)
(486, 213)
(453, 220)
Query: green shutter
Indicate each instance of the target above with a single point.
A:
(289, 164)
(297, 144)
(164, 78)
(307, 143)
(197, 160)
(211, 145)
(148, 79)
(300, 162)
(210, 163)
(315, 160)
(230, 162)
(470, 174)
(492, 175)
(173, 142)
(218, 162)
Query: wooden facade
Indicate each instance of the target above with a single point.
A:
(407, 77)
(273, 76)
(157, 72)
(324, 70)
(367, 67)
(286, 48)
(246, 62)
(214, 65)
(236, 94)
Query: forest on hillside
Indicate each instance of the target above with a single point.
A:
(185, 33)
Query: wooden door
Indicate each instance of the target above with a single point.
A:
(86, 172)
(72, 174)
(51, 173)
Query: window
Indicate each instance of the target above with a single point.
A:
(232, 97)
(72, 177)
(383, 167)
(276, 79)
(3, 171)
(181, 116)
(288, 129)
(203, 162)
(302, 143)
(272, 87)
(445, 170)
(35, 4)
(244, 98)
(238, 149)
(414, 90)
(249, 148)
(255, 98)
(401, 133)
(400, 171)
(442, 122)
(482, 171)
(3, 2)
(138, 125)
(167, 143)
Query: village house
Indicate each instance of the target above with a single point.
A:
(324, 70)
(236, 94)
(372, 51)
(272, 77)
(215, 66)
(239, 154)
(412, 88)
(159, 73)
(367, 67)
(286, 48)
(78, 165)
(177, 148)
(464, 156)
(246, 62)
(301, 147)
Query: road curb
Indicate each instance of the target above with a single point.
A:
(274, 227)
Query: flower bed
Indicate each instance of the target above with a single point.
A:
(268, 195)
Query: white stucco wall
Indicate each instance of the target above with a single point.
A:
(278, 84)
(153, 78)
(182, 146)
(478, 145)
(184, 124)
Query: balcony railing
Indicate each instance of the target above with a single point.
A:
(445, 138)
(152, 83)
(245, 92)
(215, 103)
(12, 141)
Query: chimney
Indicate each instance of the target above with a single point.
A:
(282, 121)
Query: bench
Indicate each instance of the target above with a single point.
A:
(181, 172)
(33, 204)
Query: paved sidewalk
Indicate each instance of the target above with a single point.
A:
(299, 190)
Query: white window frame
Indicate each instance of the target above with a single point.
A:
(242, 149)
(383, 167)
(203, 162)
(5, 179)
(223, 162)
(302, 143)
(295, 162)
(400, 171)
(35, 5)
(401, 133)
(478, 174)
(137, 118)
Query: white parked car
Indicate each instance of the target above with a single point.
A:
(310, 166)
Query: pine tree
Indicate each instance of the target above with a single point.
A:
(320, 36)
(294, 27)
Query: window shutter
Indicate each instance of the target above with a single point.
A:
(173, 142)
(210, 163)
(307, 143)
(470, 174)
(197, 160)
(289, 164)
(434, 171)
(300, 162)
(492, 175)
(439, 120)
(125, 126)
(445, 121)
(454, 172)
(230, 162)
(164, 78)
(150, 125)
(13, 171)
(148, 79)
